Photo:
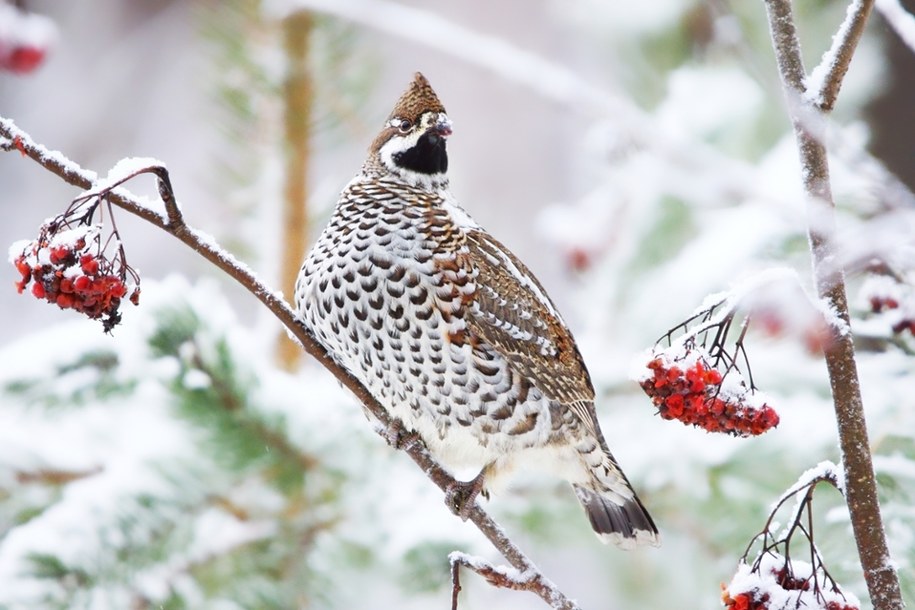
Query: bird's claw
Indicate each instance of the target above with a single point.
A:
(460, 496)
(397, 436)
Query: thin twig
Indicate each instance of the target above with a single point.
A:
(455, 583)
(174, 224)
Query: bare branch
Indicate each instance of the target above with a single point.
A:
(173, 223)
(861, 493)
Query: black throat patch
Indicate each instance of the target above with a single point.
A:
(427, 157)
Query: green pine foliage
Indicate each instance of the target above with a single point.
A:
(239, 469)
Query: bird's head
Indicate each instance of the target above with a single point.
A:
(412, 143)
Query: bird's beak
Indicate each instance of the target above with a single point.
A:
(442, 127)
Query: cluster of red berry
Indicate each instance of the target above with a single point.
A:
(880, 304)
(756, 599)
(24, 39)
(693, 396)
(71, 276)
(748, 600)
(788, 581)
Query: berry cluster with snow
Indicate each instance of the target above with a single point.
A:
(891, 302)
(25, 39)
(686, 387)
(775, 583)
(69, 269)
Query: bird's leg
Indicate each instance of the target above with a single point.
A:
(397, 435)
(461, 496)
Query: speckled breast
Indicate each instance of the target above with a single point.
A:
(383, 293)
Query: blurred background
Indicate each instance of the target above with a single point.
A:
(636, 156)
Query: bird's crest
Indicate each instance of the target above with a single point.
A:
(419, 98)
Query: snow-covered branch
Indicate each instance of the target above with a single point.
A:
(826, 78)
(13, 139)
(502, 577)
(861, 491)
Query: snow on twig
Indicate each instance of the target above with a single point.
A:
(505, 577)
(824, 471)
(825, 80)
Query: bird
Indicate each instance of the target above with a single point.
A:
(452, 334)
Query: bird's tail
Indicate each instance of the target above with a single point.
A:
(614, 509)
(623, 522)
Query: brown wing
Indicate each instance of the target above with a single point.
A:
(511, 311)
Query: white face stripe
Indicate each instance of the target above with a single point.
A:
(427, 120)
(401, 142)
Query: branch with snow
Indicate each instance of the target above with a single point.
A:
(501, 577)
(861, 490)
(14, 139)
(826, 78)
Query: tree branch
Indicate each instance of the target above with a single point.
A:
(174, 224)
(861, 487)
(836, 60)
(497, 576)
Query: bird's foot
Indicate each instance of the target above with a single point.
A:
(397, 435)
(460, 497)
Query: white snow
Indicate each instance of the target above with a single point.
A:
(54, 156)
(478, 563)
(125, 169)
(763, 582)
(18, 27)
(823, 470)
(708, 101)
(814, 84)
(17, 248)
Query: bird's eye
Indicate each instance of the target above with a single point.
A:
(403, 125)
